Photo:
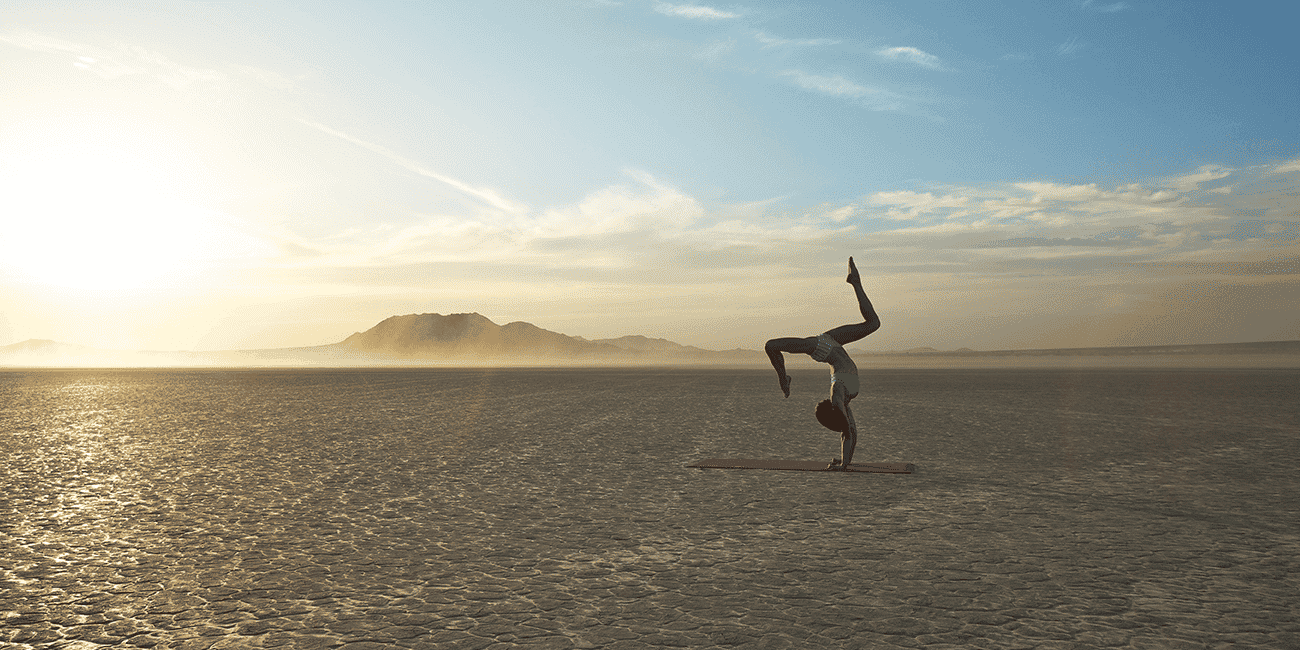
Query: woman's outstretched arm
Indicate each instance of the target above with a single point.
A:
(848, 437)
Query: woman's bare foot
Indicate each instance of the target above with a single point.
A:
(836, 465)
(785, 384)
(853, 278)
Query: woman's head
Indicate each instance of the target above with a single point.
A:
(831, 417)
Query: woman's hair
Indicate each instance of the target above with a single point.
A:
(831, 417)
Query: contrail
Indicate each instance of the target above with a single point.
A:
(487, 195)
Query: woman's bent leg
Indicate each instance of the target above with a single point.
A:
(775, 347)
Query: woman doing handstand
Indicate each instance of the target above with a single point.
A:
(833, 413)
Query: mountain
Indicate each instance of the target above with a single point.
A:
(644, 344)
(925, 349)
(473, 336)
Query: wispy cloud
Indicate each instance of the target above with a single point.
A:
(115, 62)
(486, 195)
(1090, 5)
(698, 12)
(842, 214)
(1286, 167)
(172, 73)
(650, 205)
(97, 60)
(1091, 192)
(775, 41)
(1070, 47)
(715, 51)
(1192, 181)
(38, 42)
(906, 204)
(910, 55)
(876, 99)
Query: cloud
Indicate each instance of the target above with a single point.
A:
(715, 51)
(699, 12)
(1041, 217)
(37, 42)
(1090, 192)
(486, 195)
(830, 85)
(775, 41)
(1277, 230)
(1052, 241)
(1089, 5)
(909, 204)
(112, 63)
(621, 209)
(174, 74)
(1289, 166)
(910, 55)
(1204, 174)
(836, 86)
(97, 60)
(594, 232)
(841, 214)
(1070, 47)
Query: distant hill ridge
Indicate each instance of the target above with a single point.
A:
(474, 336)
(466, 335)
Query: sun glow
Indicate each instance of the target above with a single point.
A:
(103, 212)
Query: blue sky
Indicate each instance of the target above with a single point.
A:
(1037, 174)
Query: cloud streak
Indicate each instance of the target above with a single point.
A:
(906, 204)
(113, 63)
(1090, 5)
(486, 195)
(1070, 47)
(696, 12)
(770, 41)
(911, 55)
(876, 99)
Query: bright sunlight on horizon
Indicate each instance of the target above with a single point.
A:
(212, 176)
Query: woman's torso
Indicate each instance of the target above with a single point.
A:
(829, 351)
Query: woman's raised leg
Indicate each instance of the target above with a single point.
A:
(846, 334)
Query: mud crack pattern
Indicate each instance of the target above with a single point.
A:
(553, 509)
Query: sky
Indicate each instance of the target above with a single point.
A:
(1006, 175)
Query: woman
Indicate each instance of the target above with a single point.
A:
(833, 413)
